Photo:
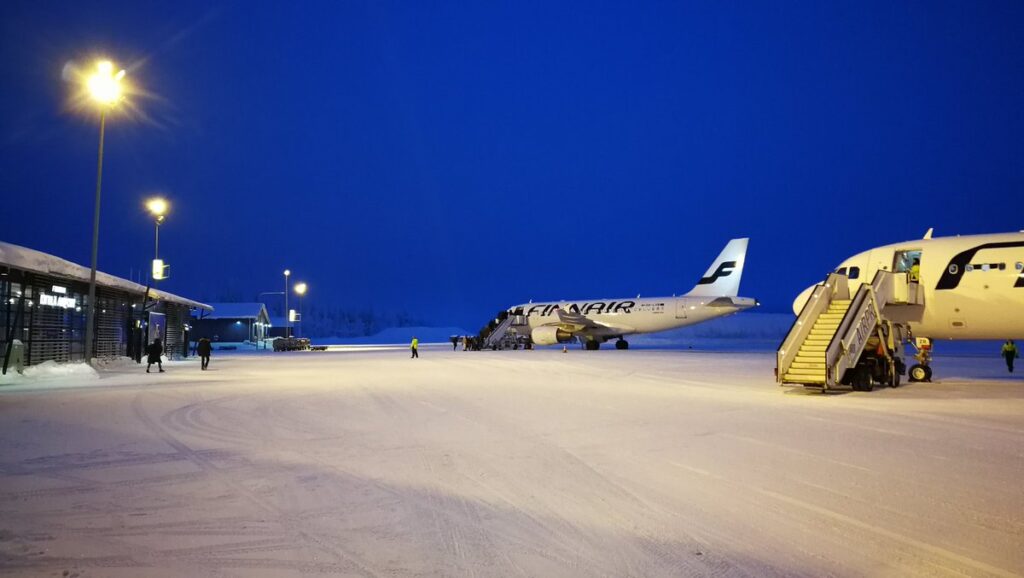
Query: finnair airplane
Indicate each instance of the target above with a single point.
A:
(598, 320)
(973, 285)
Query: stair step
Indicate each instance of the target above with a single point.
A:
(809, 366)
(803, 378)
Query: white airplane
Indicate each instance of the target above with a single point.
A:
(973, 285)
(598, 320)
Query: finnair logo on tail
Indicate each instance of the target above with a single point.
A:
(724, 270)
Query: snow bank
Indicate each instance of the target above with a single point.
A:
(743, 331)
(51, 370)
(399, 335)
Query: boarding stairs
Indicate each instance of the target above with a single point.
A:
(830, 333)
(507, 332)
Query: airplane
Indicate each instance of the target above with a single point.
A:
(973, 286)
(596, 321)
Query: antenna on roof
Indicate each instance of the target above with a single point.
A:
(928, 233)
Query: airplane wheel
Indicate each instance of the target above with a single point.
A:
(919, 372)
(928, 373)
(622, 344)
(591, 345)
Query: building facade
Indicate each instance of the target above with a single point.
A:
(232, 322)
(43, 311)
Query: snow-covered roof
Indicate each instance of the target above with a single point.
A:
(26, 259)
(237, 311)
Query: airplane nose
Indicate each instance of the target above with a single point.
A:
(801, 299)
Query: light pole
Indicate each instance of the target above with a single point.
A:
(104, 86)
(287, 317)
(158, 208)
(300, 290)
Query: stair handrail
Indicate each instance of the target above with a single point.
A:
(835, 286)
(857, 326)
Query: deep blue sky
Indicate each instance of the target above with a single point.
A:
(451, 159)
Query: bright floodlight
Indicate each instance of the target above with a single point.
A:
(105, 86)
(287, 272)
(157, 206)
(300, 288)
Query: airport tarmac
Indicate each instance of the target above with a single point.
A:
(518, 463)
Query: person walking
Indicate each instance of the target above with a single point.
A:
(1010, 353)
(415, 348)
(204, 348)
(455, 342)
(153, 353)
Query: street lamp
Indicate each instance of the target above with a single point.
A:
(158, 208)
(300, 290)
(104, 86)
(287, 317)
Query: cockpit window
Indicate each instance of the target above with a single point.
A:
(850, 272)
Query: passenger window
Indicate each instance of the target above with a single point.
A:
(1019, 266)
(854, 272)
(841, 270)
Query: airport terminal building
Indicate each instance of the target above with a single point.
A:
(42, 311)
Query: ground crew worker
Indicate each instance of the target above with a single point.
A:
(915, 271)
(1010, 353)
(415, 348)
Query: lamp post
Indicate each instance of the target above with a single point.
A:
(287, 317)
(104, 86)
(300, 290)
(158, 208)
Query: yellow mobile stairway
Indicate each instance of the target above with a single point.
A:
(827, 347)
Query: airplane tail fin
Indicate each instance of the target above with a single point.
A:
(722, 279)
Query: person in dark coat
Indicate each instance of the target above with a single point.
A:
(204, 348)
(153, 352)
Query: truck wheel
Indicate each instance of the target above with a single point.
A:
(919, 372)
(862, 379)
(894, 379)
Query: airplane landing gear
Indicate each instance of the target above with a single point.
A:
(920, 372)
(621, 344)
(591, 345)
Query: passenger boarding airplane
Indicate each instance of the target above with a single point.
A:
(599, 320)
(973, 285)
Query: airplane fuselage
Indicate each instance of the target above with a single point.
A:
(973, 285)
(631, 316)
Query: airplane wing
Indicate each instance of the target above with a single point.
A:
(578, 323)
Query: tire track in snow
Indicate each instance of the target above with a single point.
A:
(212, 470)
(907, 541)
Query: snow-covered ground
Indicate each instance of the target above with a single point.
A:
(519, 463)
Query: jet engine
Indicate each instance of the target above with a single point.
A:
(550, 335)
